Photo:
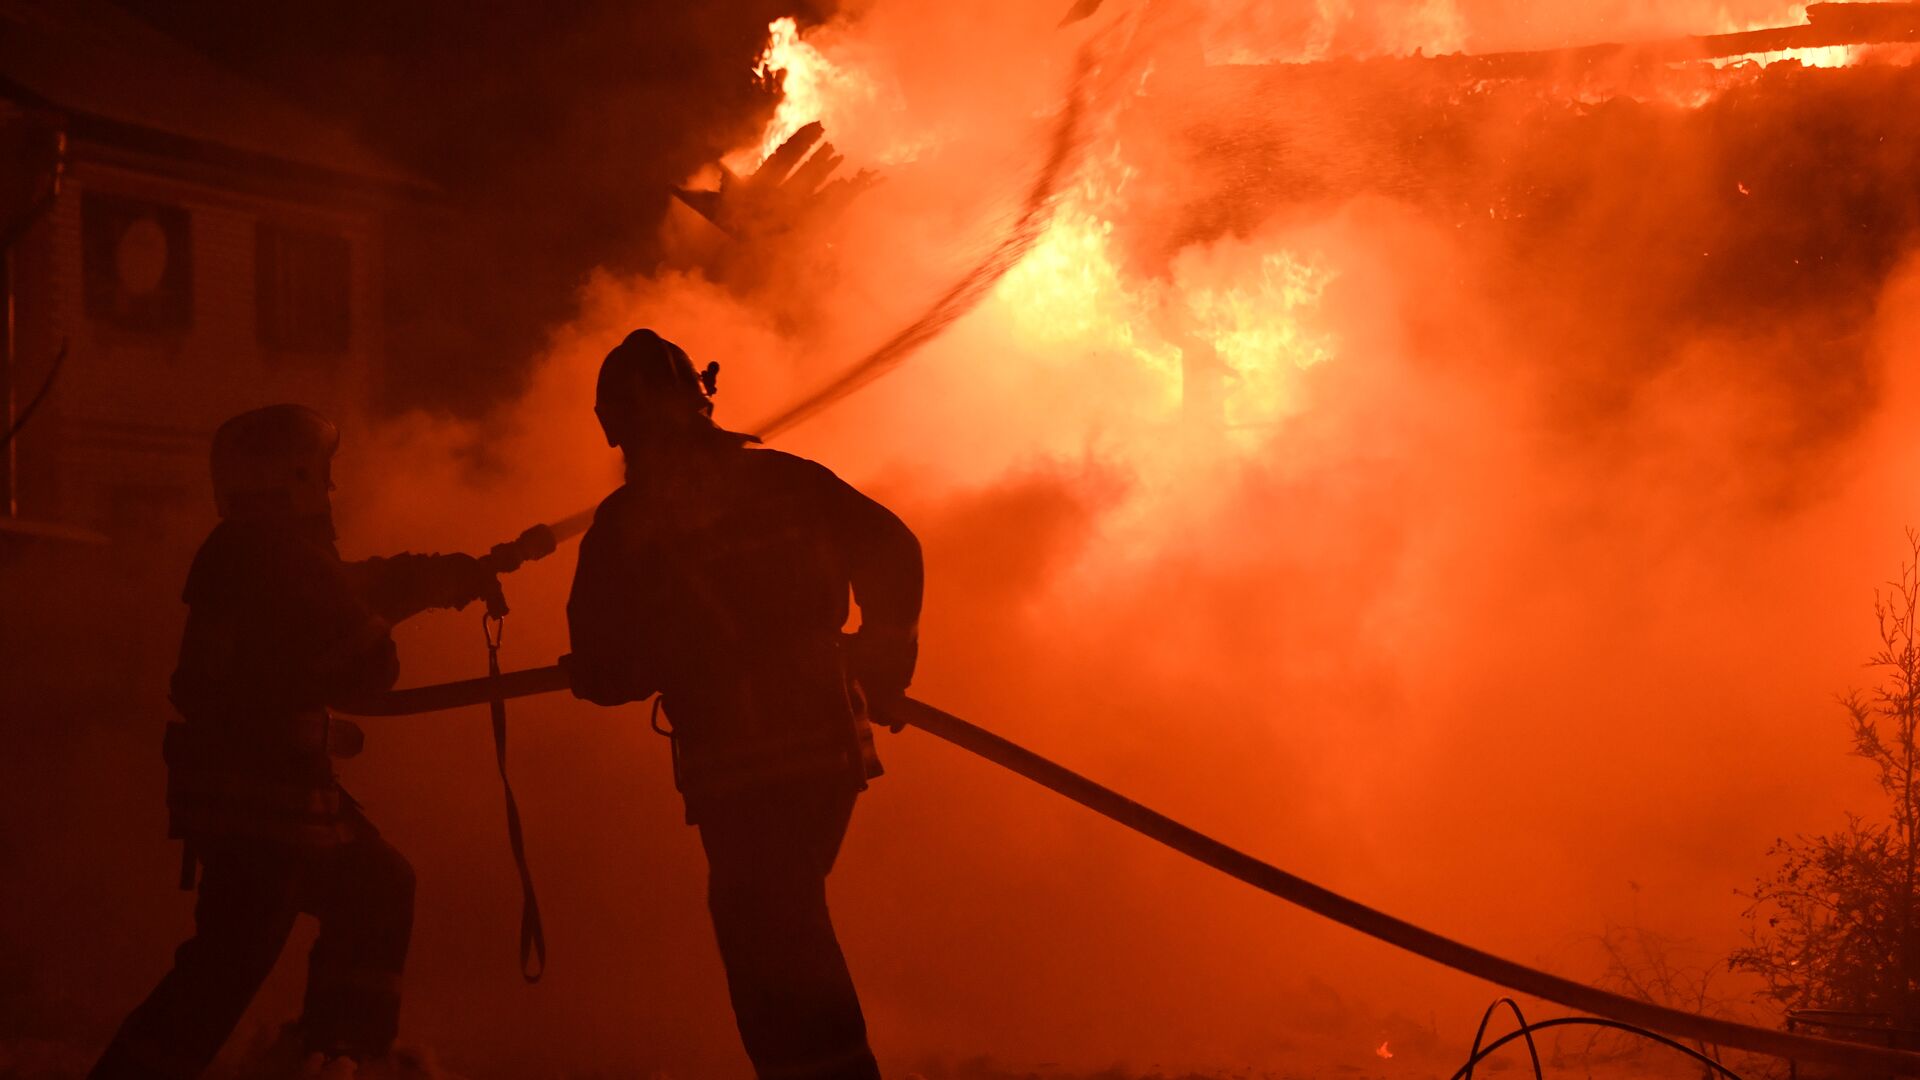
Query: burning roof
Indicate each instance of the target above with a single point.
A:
(1665, 180)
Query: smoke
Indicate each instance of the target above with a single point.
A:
(1558, 443)
(549, 141)
(1510, 594)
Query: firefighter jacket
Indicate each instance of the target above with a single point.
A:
(726, 592)
(278, 628)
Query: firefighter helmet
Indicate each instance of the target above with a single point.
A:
(648, 387)
(278, 459)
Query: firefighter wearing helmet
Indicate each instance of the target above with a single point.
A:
(718, 578)
(279, 628)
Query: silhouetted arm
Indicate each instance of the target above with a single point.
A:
(338, 646)
(885, 566)
(883, 560)
(608, 664)
(401, 586)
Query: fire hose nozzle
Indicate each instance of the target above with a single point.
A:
(537, 542)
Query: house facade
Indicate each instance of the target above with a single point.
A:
(180, 246)
(184, 247)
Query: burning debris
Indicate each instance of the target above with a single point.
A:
(795, 182)
(1834, 35)
(1184, 157)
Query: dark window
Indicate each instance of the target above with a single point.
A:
(303, 289)
(137, 263)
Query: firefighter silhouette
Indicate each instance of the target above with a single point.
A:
(278, 628)
(718, 578)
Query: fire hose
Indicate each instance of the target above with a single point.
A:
(967, 291)
(541, 540)
(496, 689)
(1607, 1008)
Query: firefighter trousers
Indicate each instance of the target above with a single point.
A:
(361, 891)
(768, 855)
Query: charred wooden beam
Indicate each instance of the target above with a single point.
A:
(796, 180)
(1828, 25)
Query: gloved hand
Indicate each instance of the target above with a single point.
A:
(882, 659)
(463, 579)
(593, 683)
(537, 542)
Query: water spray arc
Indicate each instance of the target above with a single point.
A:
(1608, 1009)
(965, 294)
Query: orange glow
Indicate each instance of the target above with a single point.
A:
(1758, 17)
(811, 87)
(1069, 300)
(1265, 34)
(1365, 463)
(1259, 326)
(1256, 315)
(1830, 56)
(1446, 447)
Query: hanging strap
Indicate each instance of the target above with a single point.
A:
(533, 936)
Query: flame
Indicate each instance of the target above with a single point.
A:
(1073, 301)
(1253, 310)
(1266, 34)
(1726, 22)
(811, 84)
(1248, 320)
(1383, 1051)
(1259, 328)
(832, 81)
(1694, 84)
(1826, 56)
(1068, 297)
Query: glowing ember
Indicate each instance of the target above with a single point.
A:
(1830, 56)
(1383, 1051)
(1725, 22)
